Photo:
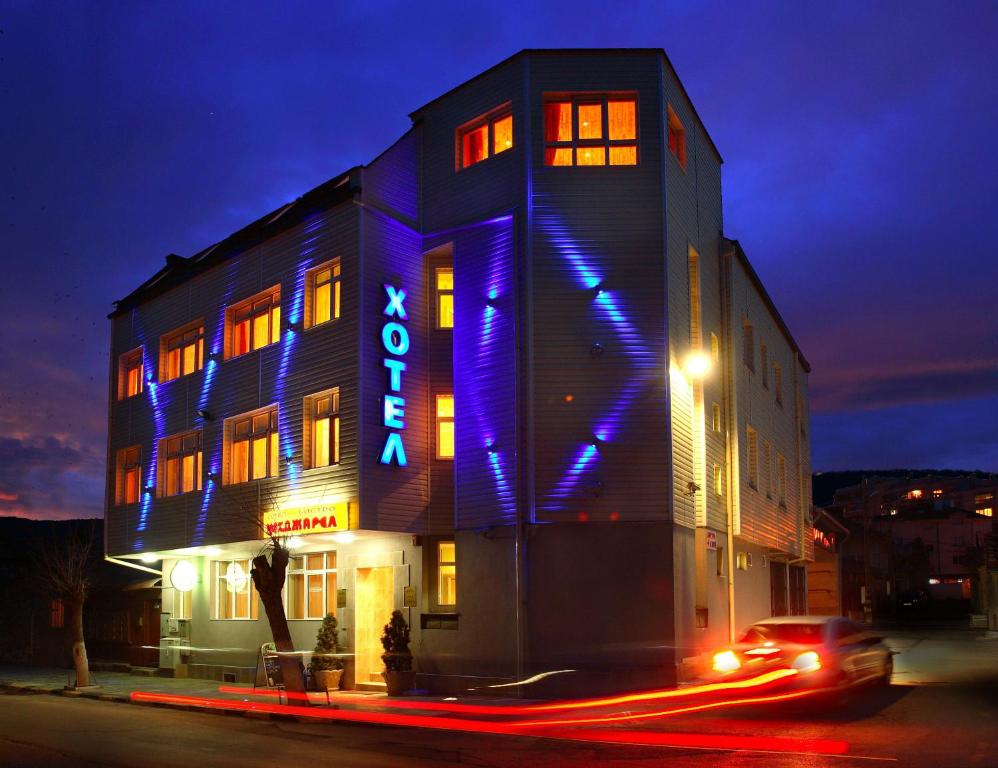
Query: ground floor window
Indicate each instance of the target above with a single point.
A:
(311, 591)
(234, 594)
(446, 573)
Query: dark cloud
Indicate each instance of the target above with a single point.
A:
(49, 478)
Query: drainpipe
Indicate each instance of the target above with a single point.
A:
(730, 431)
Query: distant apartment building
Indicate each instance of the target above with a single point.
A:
(509, 378)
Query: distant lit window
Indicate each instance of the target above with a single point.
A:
(181, 352)
(253, 323)
(322, 428)
(715, 417)
(983, 498)
(323, 290)
(311, 592)
(985, 511)
(179, 463)
(937, 492)
(484, 137)
(444, 277)
(446, 573)
(234, 591)
(914, 494)
(445, 426)
(590, 130)
(748, 345)
(677, 136)
(252, 446)
(130, 379)
(752, 441)
(57, 613)
(128, 475)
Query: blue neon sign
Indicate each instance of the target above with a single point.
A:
(395, 340)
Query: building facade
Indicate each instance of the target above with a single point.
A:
(509, 377)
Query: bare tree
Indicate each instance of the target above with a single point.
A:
(67, 572)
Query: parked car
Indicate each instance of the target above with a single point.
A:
(826, 652)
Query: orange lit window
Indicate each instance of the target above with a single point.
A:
(311, 592)
(323, 287)
(446, 573)
(179, 463)
(444, 277)
(590, 130)
(130, 377)
(445, 426)
(985, 511)
(254, 323)
(235, 593)
(253, 448)
(322, 425)
(677, 137)
(912, 495)
(128, 475)
(484, 137)
(181, 352)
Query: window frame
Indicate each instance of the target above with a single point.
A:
(167, 343)
(123, 466)
(127, 364)
(604, 142)
(439, 421)
(305, 571)
(335, 293)
(439, 292)
(231, 439)
(164, 455)
(234, 318)
(253, 599)
(488, 121)
(310, 415)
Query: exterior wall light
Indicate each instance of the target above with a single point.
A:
(697, 365)
(344, 537)
(293, 325)
(206, 415)
(184, 576)
(149, 557)
(596, 350)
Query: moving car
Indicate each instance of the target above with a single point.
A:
(826, 651)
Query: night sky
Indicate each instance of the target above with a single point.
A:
(860, 176)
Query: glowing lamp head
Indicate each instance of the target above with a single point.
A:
(807, 662)
(344, 537)
(184, 576)
(725, 661)
(294, 542)
(697, 365)
(149, 557)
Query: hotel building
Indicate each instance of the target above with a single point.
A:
(509, 377)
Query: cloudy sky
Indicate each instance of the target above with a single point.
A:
(861, 177)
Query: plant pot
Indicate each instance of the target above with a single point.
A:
(328, 679)
(399, 682)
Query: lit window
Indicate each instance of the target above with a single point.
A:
(179, 462)
(445, 426)
(748, 345)
(254, 323)
(743, 561)
(485, 137)
(322, 424)
(252, 444)
(57, 613)
(982, 498)
(130, 374)
(181, 352)
(715, 412)
(323, 291)
(718, 487)
(781, 478)
(985, 511)
(753, 456)
(778, 383)
(912, 495)
(445, 297)
(937, 492)
(311, 592)
(129, 475)
(446, 573)
(677, 137)
(590, 130)
(235, 593)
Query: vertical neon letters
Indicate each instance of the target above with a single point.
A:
(395, 340)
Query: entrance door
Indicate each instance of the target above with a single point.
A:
(778, 587)
(375, 600)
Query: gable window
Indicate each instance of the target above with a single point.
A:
(179, 463)
(322, 429)
(752, 440)
(446, 573)
(128, 475)
(444, 277)
(181, 352)
(677, 137)
(485, 136)
(252, 445)
(235, 593)
(583, 129)
(130, 374)
(764, 363)
(322, 285)
(253, 323)
(445, 426)
(778, 383)
(311, 590)
(748, 345)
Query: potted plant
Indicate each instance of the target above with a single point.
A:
(327, 669)
(398, 673)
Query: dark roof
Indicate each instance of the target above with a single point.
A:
(415, 114)
(179, 269)
(736, 249)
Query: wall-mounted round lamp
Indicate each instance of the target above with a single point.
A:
(184, 576)
(596, 350)
(697, 365)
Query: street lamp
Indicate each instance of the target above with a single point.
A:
(697, 364)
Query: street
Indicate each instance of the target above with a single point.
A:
(920, 721)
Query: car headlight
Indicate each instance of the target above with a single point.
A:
(807, 662)
(726, 661)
